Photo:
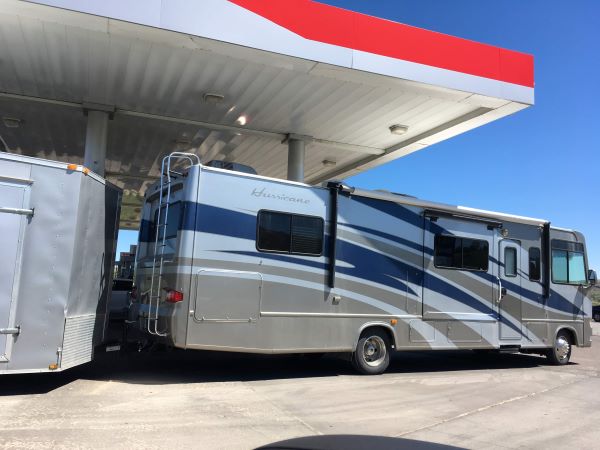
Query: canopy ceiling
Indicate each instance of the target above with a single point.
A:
(152, 71)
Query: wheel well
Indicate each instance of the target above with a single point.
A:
(569, 332)
(388, 332)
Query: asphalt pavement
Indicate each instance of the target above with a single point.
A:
(208, 400)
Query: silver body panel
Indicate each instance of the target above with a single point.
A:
(57, 273)
(237, 298)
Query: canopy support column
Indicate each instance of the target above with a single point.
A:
(296, 152)
(95, 141)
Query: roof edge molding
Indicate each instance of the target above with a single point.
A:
(314, 31)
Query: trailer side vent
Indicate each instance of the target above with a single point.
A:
(78, 340)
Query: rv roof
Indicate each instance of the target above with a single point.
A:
(405, 199)
(233, 85)
(450, 208)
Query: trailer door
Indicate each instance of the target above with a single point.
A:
(12, 221)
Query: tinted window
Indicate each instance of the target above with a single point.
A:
(576, 268)
(173, 221)
(534, 264)
(307, 235)
(475, 254)
(461, 253)
(448, 251)
(274, 231)
(568, 262)
(567, 245)
(559, 266)
(510, 262)
(289, 233)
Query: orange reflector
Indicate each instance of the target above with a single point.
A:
(85, 170)
(53, 366)
(393, 321)
(71, 166)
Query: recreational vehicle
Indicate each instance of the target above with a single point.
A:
(58, 225)
(233, 261)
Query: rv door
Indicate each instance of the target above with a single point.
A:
(509, 297)
(13, 214)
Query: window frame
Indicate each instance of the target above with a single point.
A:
(461, 247)
(568, 252)
(539, 260)
(514, 249)
(292, 215)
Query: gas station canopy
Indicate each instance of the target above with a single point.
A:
(119, 84)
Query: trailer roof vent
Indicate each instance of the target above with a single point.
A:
(236, 167)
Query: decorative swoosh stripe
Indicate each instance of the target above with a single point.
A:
(331, 25)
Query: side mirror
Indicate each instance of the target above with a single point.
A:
(592, 277)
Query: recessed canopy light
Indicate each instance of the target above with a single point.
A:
(213, 98)
(398, 129)
(328, 163)
(11, 122)
(242, 120)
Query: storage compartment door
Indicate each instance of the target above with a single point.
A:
(12, 220)
(227, 296)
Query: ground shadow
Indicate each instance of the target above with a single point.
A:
(354, 442)
(194, 366)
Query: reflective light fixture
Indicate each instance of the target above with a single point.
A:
(242, 120)
(213, 98)
(398, 129)
(11, 122)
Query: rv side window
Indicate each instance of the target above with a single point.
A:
(510, 262)
(568, 263)
(534, 264)
(289, 233)
(460, 253)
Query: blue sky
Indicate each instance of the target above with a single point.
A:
(541, 162)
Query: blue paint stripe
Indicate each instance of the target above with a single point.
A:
(391, 237)
(368, 264)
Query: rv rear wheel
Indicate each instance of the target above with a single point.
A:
(560, 353)
(372, 354)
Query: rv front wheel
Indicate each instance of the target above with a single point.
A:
(372, 354)
(560, 353)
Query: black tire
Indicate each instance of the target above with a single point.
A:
(372, 354)
(560, 353)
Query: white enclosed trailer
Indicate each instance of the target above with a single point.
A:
(58, 225)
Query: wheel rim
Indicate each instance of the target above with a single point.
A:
(562, 348)
(374, 351)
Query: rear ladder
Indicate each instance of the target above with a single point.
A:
(160, 239)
